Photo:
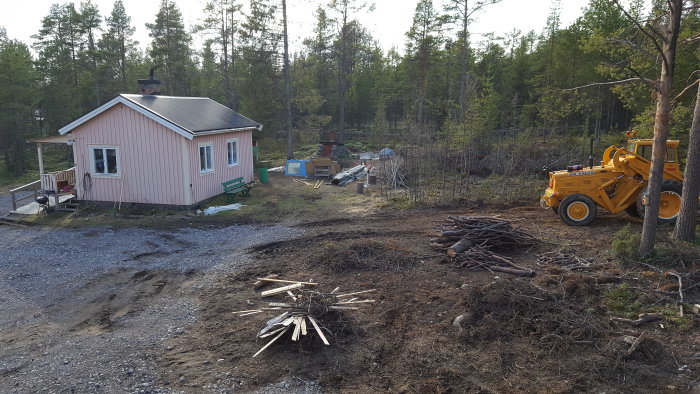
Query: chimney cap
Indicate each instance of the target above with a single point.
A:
(151, 78)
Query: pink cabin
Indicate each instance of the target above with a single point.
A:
(159, 150)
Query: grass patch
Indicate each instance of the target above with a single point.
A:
(282, 199)
(626, 242)
(672, 317)
(623, 301)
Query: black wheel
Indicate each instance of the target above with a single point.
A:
(633, 211)
(577, 210)
(669, 202)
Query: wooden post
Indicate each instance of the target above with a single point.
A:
(41, 159)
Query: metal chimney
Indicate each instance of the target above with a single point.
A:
(150, 86)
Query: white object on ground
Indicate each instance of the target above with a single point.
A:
(276, 169)
(221, 208)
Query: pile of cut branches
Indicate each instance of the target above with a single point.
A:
(566, 260)
(301, 305)
(471, 240)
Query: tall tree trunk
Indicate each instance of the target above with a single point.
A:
(287, 88)
(464, 52)
(122, 64)
(661, 122)
(341, 114)
(685, 226)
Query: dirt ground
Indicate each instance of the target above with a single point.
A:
(548, 333)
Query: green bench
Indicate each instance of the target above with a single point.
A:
(237, 186)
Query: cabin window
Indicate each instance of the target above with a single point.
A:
(205, 159)
(645, 152)
(232, 152)
(105, 160)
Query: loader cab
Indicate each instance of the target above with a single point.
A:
(642, 148)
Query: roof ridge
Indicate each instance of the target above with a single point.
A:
(162, 96)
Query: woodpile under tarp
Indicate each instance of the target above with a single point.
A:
(471, 240)
(303, 309)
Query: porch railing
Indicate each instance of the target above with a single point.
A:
(33, 188)
(53, 181)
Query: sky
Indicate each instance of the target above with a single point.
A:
(388, 23)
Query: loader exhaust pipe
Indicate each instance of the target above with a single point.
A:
(590, 156)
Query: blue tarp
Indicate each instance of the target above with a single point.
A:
(386, 152)
(295, 168)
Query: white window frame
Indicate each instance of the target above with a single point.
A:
(93, 167)
(228, 147)
(209, 145)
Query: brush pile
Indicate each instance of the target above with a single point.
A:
(566, 260)
(304, 310)
(471, 240)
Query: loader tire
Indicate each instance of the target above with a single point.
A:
(669, 203)
(633, 211)
(577, 210)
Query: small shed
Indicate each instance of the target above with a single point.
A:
(159, 150)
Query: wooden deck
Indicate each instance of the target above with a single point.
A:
(33, 208)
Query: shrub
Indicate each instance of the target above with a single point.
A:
(626, 242)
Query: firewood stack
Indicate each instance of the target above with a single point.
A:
(303, 309)
(471, 240)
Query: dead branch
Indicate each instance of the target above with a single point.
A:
(610, 83)
(636, 343)
(566, 260)
(644, 31)
(643, 319)
(685, 90)
(680, 290)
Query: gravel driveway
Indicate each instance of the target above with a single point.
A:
(88, 310)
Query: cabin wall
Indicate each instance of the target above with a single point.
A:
(206, 185)
(150, 159)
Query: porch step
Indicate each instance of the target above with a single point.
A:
(68, 206)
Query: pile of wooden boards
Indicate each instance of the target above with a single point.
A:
(303, 309)
(471, 241)
(317, 184)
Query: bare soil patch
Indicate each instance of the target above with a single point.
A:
(550, 333)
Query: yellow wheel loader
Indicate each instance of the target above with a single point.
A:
(618, 184)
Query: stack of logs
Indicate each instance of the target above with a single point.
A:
(301, 305)
(471, 240)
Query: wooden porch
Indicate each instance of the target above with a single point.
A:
(59, 186)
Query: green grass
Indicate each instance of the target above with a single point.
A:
(626, 242)
(624, 301)
(269, 202)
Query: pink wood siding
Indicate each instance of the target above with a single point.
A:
(150, 159)
(209, 185)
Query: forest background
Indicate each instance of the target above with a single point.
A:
(490, 113)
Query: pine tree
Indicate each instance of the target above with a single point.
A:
(17, 100)
(170, 48)
(347, 45)
(423, 43)
(116, 45)
(221, 19)
(58, 45)
(90, 22)
(261, 85)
